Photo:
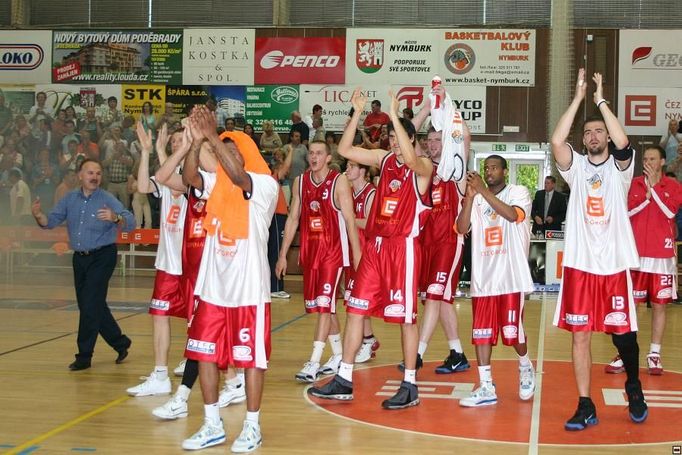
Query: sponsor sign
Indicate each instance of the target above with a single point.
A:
(650, 58)
(218, 56)
(647, 110)
(134, 96)
(300, 60)
(18, 99)
(272, 102)
(110, 57)
(554, 235)
(80, 97)
(577, 319)
(335, 100)
(185, 97)
(25, 56)
(231, 99)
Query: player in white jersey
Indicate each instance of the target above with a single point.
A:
(231, 324)
(498, 218)
(599, 251)
(167, 299)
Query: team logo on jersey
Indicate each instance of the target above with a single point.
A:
(369, 55)
(310, 304)
(639, 294)
(316, 224)
(315, 206)
(493, 236)
(436, 179)
(666, 293)
(437, 196)
(242, 353)
(490, 213)
(617, 318)
(510, 331)
(479, 334)
(394, 310)
(360, 304)
(435, 289)
(457, 136)
(577, 319)
(199, 205)
(197, 228)
(173, 214)
(595, 206)
(595, 181)
(388, 206)
(163, 305)
(395, 185)
(323, 301)
(202, 347)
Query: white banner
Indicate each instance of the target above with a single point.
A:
(496, 57)
(60, 96)
(218, 56)
(335, 100)
(647, 111)
(650, 58)
(25, 57)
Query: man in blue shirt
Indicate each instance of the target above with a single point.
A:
(93, 218)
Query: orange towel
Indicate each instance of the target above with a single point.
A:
(226, 204)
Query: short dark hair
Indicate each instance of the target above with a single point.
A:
(14, 172)
(317, 107)
(502, 161)
(407, 125)
(376, 103)
(112, 98)
(409, 113)
(552, 178)
(326, 146)
(660, 149)
(88, 160)
(593, 118)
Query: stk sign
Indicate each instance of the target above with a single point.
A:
(300, 60)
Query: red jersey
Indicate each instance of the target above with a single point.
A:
(446, 200)
(323, 236)
(653, 219)
(195, 235)
(398, 209)
(360, 206)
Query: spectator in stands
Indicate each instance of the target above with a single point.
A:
(318, 131)
(112, 114)
(5, 116)
(408, 114)
(69, 134)
(671, 140)
(40, 109)
(91, 124)
(338, 162)
(169, 117)
(109, 140)
(70, 112)
(148, 118)
(119, 165)
(300, 159)
(44, 178)
(549, 208)
(87, 147)
(248, 129)
(229, 124)
(10, 152)
(374, 120)
(70, 159)
(310, 120)
(675, 166)
(299, 125)
(19, 198)
(58, 130)
(269, 140)
(68, 184)
(221, 114)
(43, 133)
(380, 143)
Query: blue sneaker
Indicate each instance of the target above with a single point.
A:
(637, 407)
(585, 416)
(455, 362)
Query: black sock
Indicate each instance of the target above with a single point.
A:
(367, 337)
(628, 350)
(189, 377)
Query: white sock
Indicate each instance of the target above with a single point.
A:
(183, 392)
(346, 371)
(410, 376)
(235, 381)
(318, 349)
(335, 343)
(253, 416)
(212, 413)
(240, 375)
(161, 372)
(455, 345)
(485, 373)
(655, 348)
(524, 361)
(422, 348)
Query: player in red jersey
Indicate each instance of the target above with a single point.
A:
(322, 206)
(386, 283)
(653, 201)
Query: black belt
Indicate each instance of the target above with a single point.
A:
(93, 251)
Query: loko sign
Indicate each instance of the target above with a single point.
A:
(300, 60)
(25, 57)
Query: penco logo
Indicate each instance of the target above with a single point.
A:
(20, 56)
(277, 58)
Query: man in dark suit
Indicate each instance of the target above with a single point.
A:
(549, 207)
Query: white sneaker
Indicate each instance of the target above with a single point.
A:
(249, 439)
(175, 408)
(151, 386)
(232, 394)
(332, 365)
(483, 396)
(280, 295)
(526, 382)
(365, 353)
(207, 436)
(180, 369)
(309, 373)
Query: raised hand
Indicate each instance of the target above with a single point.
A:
(474, 183)
(204, 121)
(358, 100)
(162, 139)
(35, 207)
(599, 92)
(145, 137)
(581, 84)
(395, 104)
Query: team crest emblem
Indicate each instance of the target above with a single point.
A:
(436, 179)
(199, 205)
(490, 213)
(315, 206)
(460, 58)
(595, 181)
(395, 185)
(369, 55)
(458, 137)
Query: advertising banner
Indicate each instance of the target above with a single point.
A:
(649, 58)
(110, 57)
(300, 60)
(231, 98)
(25, 56)
(646, 111)
(272, 102)
(59, 96)
(218, 56)
(134, 96)
(335, 101)
(18, 99)
(185, 97)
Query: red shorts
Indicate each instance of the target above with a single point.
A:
(319, 289)
(168, 298)
(230, 336)
(495, 314)
(654, 287)
(385, 284)
(440, 271)
(596, 303)
(348, 274)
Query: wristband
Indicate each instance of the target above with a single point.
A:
(601, 101)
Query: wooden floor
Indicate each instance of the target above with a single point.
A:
(48, 409)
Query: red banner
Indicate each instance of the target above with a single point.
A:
(300, 61)
(59, 234)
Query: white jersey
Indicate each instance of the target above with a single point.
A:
(236, 273)
(499, 248)
(172, 223)
(599, 237)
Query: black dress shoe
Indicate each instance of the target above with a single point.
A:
(79, 364)
(122, 354)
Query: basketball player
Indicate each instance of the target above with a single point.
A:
(386, 282)
(231, 324)
(596, 288)
(322, 205)
(653, 201)
(498, 218)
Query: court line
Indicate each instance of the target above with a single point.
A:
(534, 438)
(290, 321)
(28, 444)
